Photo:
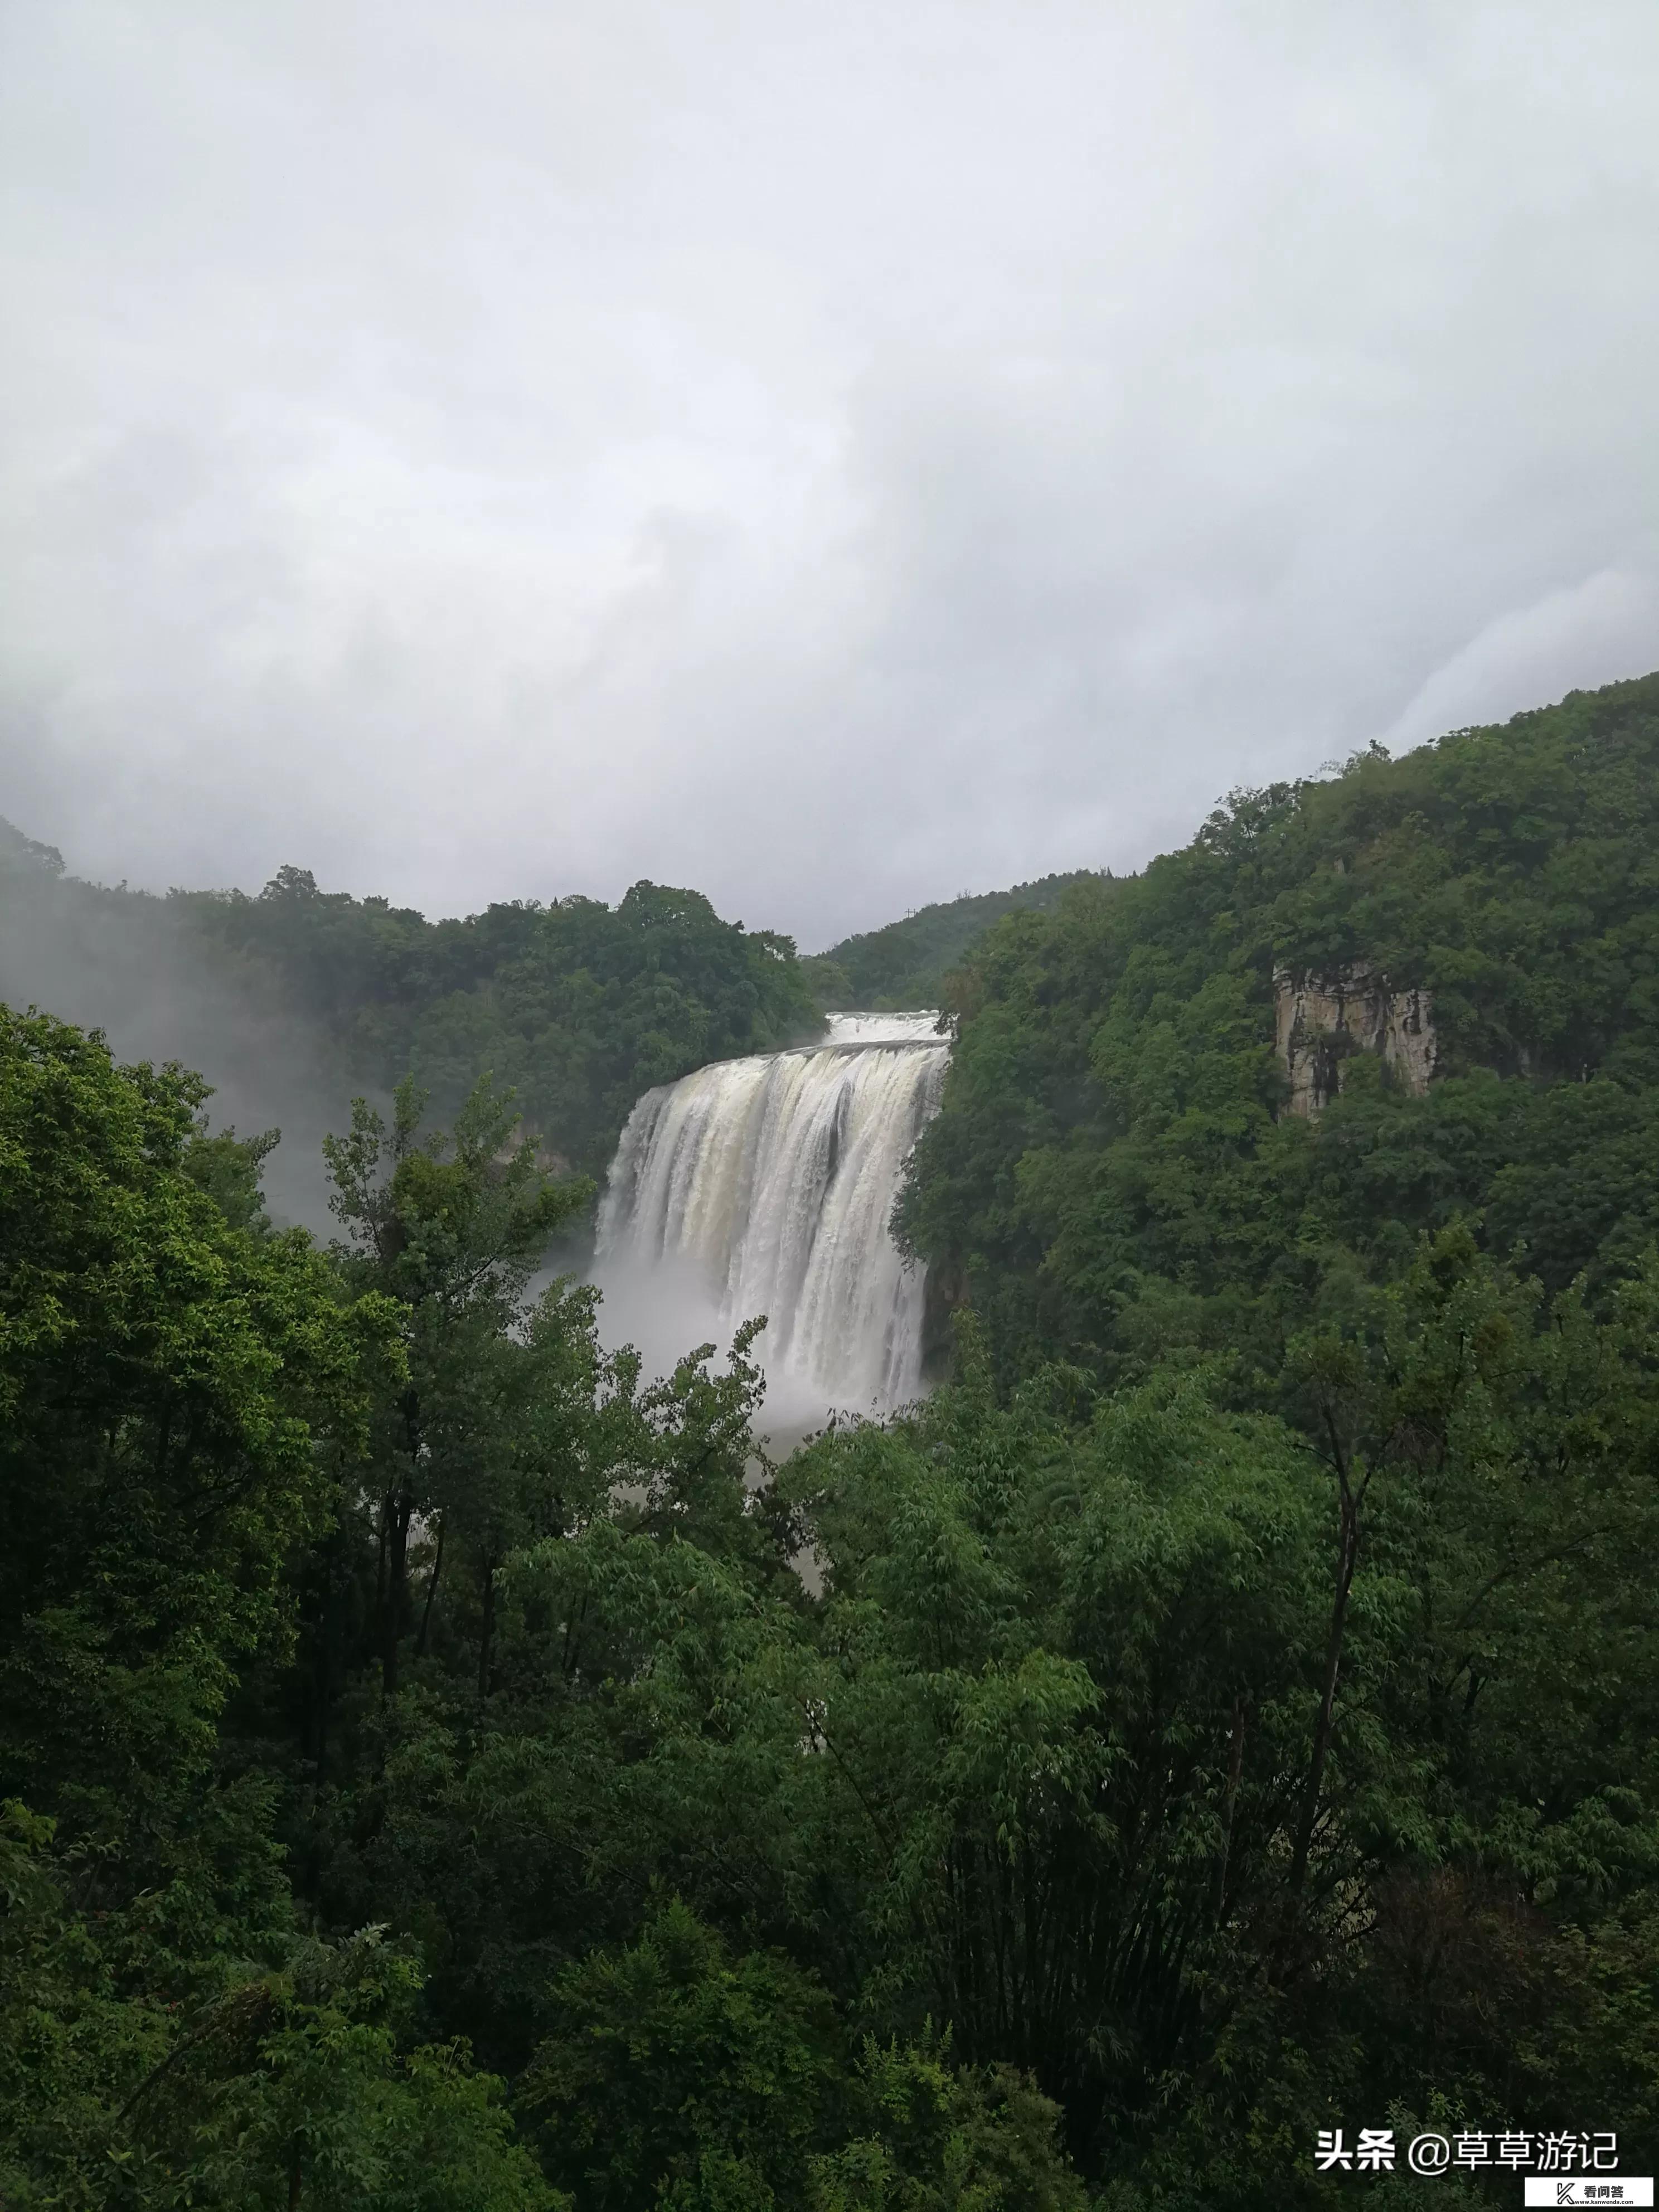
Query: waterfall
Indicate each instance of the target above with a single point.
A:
(773, 1179)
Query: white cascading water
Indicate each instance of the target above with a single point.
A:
(775, 1178)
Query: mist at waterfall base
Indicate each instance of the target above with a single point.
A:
(765, 1186)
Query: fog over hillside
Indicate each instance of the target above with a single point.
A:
(130, 965)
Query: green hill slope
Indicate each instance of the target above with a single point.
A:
(905, 964)
(293, 998)
(1116, 1173)
(300, 993)
(579, 1005)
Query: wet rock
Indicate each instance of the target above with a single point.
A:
(1322, 1020)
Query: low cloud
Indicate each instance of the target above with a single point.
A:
(833, 459)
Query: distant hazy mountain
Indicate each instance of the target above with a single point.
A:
(905, 964)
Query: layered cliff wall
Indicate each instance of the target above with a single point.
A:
(1321, 1020)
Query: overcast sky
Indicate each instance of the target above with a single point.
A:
(835, 455)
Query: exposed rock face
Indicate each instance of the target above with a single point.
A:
(1323, 1019)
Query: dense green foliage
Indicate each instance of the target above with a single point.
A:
(442, 1769)
(578, 1005)
(1442, 1301)
(906, 963)
(168, 1381)
(1112, 1176)
(365, 1635)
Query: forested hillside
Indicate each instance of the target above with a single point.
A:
(1224, 1712)
(578, 1005)
(905, 964)
(297, 996)
(408, 1796)
(1113, 1177)
(1437, 1302)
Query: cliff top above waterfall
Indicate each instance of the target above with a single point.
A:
(920, 1026)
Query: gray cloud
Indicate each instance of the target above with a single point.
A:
(833, 456)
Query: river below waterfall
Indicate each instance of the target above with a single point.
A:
(765, 1186)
